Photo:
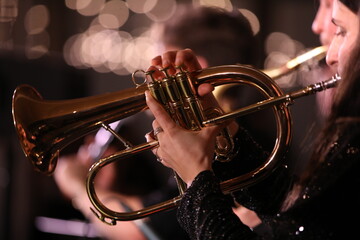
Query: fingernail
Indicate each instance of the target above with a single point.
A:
(165, 64)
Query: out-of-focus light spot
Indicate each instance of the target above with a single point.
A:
(9, 11)
(114, 14)
(81, 4)
(144, 51)
(163, 10)
(226, 4)
(71, 4)
(65, 227)
(130, 60)
(277, 59)
(92, 8)
(280, 42)
(141, 6)
(281, 50)
(125, 35)
(121, 71)
(107, 50)
(101, 69)
(95, 26)
(254, 21)
(36, 51)
(36, 19)
(115, 58)
(109, 21)
(78, 4)
(37, 45)
(71, 55)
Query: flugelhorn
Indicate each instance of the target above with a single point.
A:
(46, 127)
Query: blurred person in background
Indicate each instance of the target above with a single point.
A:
(323, 27)
(126, 185)
(209, 31)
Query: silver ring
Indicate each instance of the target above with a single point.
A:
(157, 131)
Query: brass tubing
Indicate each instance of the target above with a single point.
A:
(216, 76)
(270, 102)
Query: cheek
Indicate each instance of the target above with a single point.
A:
(345, 51)
(330, 31)
(342, 59)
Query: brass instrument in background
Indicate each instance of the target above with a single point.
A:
(46, 127)
(315, 55)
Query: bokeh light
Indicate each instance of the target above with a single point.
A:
(254, 21)
(141, 6)
(37, 41)
(162, 11)
(92, 8)
(114, 14)
(105, 45)
(281, 48)
(36, 19)
(226, 4)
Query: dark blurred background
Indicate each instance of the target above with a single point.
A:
(68, 49)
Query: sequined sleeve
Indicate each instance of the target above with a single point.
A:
(205, 213)
(264, 197)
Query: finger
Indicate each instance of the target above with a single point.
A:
(155, 73)
(207, 97)
(187, 59)
(205, 89)
(157, 61)
(155, 124)
(150, 136)
(162, 117)
(168, 61)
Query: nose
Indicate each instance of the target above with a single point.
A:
(318, 23)
(332, 53)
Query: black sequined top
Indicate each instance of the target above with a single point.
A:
(328, 208)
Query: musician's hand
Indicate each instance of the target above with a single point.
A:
(188, 61)
(70, 176)
(71, 171)
(187, 152)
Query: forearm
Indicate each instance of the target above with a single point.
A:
(206, 213)
(113, 201)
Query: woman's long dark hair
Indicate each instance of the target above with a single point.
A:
(345, 112)
(345, 108)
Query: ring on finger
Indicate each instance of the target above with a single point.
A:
(158, 130)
